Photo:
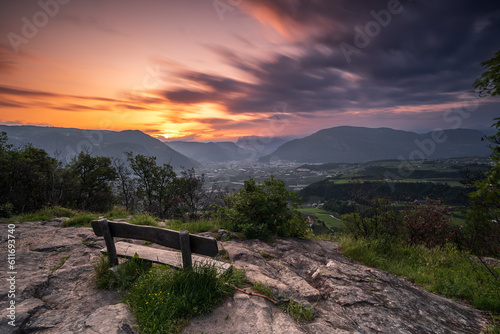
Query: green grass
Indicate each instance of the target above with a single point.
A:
(325, 216)
(45, 214)
(117, 213)
(164, 299)
(125, 275)
(143, 220)
(444, 271)
(203, 225)
(80, 221)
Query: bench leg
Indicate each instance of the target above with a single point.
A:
(185, 249)
(110, 244)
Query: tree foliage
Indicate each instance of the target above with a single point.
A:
(93, 177)
(264, 210)
(483, 214)
(488, 84)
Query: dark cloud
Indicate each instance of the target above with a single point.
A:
(11, 104)
(429, 53)
(21, 92)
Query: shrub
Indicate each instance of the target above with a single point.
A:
(380, 220)
(6, 210)
(429, 224)
(263, 211)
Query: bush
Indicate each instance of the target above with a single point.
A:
(264, 210)
(380, 220)
(6, 210)
(429, 224)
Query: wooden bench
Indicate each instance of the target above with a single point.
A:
(187, 243)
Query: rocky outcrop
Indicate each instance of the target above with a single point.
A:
(55, 292)
(347, 297)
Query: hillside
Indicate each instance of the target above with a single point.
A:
(65, 143)
(358, 144)
(211, 152)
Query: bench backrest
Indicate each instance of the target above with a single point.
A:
(168, 238)
(160, 236)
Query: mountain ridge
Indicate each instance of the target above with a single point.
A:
(66, 143)
(360, 144)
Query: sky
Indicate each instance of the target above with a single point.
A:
(220, 69)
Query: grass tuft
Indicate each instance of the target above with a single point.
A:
(80, 221)
(146, 220)
(161, 298)
(123, 277)
(117, 213)
(164, 299)
(45, 214)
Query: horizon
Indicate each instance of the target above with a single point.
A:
(219, 70)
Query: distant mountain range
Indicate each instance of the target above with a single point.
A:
(338, 144)
(262, 145)
(358, 144)
(65, 143)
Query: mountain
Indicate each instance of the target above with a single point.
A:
(358, 144)
(261, 145)
(65, 143)
(212, 152)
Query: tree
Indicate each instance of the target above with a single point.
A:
(144, 167)
(489, 82)
(264, 210)
(94, 177)
(156, 184)
(126, 184)
(482, 228)
(191, 191)
(26, 177)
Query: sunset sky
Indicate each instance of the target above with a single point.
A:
(217, 70)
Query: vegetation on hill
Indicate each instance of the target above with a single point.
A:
(263, 210)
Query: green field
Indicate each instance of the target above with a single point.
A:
(323, 215)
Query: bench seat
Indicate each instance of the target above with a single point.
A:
(164, 256)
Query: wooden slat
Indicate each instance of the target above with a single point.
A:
(160, 236)
(168, 257)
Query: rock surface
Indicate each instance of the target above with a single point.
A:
(55, 292)
(347, 297)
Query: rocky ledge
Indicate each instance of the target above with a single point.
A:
(55, 291)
